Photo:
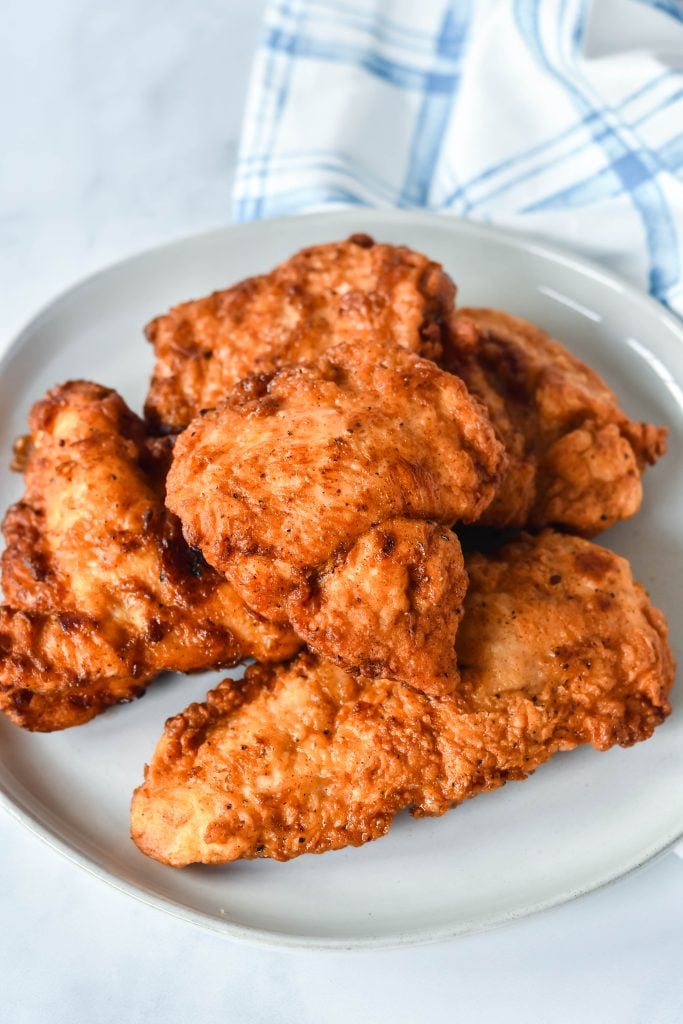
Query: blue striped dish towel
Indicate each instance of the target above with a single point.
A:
(560, 118)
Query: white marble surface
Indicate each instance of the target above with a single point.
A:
(120, 124)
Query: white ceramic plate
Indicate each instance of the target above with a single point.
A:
(582, 821)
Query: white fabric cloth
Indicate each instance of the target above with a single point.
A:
(560, 118)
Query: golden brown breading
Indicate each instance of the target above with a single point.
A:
(558, 647)
(102, 593)
(353, 290)
(391, 607)
(574, 458)
(279, 483)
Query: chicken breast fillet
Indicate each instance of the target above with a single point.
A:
(558, 647)
(323, 492)
(353, 290)
(574, 458)
(102, 593)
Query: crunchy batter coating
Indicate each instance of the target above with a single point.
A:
(574, 458)
(558, 647)
(392, 606)
(354, 290)
(102, 593)
(279, 484)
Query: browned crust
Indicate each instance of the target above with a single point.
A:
(101, 591)
(321, 296)
(282, 483)
(574, 458)
(559, 646)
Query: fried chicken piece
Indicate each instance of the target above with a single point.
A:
(354, 290)
(558, 647)
(280, 485)
(392, 606)
(102, 593)
(574, 458)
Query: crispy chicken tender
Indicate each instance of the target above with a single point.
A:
(280, 485)
(102, 593)
(353, 290)
(392, 606)
(558, 647)
(574, 458)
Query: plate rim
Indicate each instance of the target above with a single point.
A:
(526, 241)
(262, 937)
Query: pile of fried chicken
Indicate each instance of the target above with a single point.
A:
(316, 443)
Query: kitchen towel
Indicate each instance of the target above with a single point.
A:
(559, 118)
